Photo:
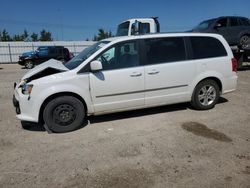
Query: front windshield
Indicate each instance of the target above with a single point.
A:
(85, 54)
(204, 25)
(123, 29)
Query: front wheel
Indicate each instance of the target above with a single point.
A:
(64, 114)
(29, 64)
(206, 95)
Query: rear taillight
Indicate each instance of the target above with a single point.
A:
(234, 64)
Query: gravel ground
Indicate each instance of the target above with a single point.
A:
(169, 146)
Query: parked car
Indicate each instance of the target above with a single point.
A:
(236, 30)
(125, 73)
(42, 54)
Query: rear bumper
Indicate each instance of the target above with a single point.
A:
(230, 84)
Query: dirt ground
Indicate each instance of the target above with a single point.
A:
(170, 146)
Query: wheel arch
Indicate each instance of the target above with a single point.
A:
(217, 80)
(244, 34)
(53, 96)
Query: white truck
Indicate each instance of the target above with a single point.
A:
(140, 26)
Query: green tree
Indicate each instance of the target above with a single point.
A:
(102, 34)
(17, 38)
(45, 36)
(22, 37)
(5, 36)
(25, 35)
(34, 37)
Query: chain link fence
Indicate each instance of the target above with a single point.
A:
(10, 51)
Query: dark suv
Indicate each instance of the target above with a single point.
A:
(236, 30)
(42, 54)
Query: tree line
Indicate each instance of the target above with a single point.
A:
(102, 34)
(45, 36)
(42, 36)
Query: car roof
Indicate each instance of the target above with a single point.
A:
(159, 35)
(232, 17)
(226, 17)
(50, 46)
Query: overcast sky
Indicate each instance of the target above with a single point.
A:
(80, 19)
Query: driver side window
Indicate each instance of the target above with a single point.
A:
(122, 55)
(222, 22)
(107, 59)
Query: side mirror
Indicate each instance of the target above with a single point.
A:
(218, 25)
(135, 28)
(96, 66)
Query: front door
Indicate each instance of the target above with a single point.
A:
(120, 85)
(221, 27)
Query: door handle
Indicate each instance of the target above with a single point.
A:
(135, 74)
(153, 72)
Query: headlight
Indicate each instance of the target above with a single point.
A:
(27, 89)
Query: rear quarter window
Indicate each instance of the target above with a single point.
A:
(207, 47)
(245, 22)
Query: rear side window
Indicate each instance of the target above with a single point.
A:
(234, 22)
(222, 22)
(245, 22)
(207, 47)
(163, 50)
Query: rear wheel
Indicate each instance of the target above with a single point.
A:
(64, 114)
(244, 40)
(29, 64)
(206, 95)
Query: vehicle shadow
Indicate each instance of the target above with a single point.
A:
(30, 126)
(222, 100)
(138, 113)
(145, 112)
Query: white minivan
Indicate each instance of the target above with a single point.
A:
(126, 73)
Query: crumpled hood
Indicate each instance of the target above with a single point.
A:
(51, 64)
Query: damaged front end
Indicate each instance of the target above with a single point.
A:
(23, 89)
(46, 72)
(48, 68)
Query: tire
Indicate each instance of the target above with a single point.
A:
(64, 114)
(29, 64)
(244, 40)
(205, 95)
